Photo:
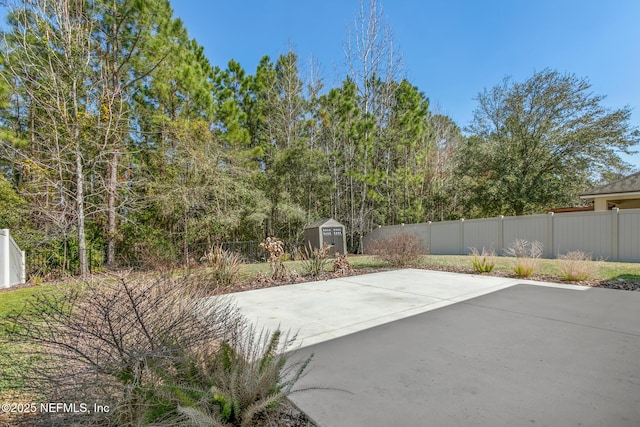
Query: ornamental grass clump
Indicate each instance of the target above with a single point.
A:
(225, 265)
(483, 262)
(315, 260)
(247, 378)
(526, 256)
(576, 266)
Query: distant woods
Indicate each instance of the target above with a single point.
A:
(123, 146)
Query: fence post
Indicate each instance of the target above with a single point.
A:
(614, 234)
(461, 242)
(23, 264)
(549, 246)
(429, 234)
(5, 279)
(501, 235)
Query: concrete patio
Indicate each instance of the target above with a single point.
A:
(417, 347)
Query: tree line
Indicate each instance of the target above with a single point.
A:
(122, 145)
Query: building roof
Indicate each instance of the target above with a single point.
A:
(628, 184)
(572, 209)
(330, 222)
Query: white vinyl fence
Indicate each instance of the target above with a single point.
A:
(12, 261)
(611, 235)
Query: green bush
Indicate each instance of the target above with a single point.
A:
(246, 378)
(483, 262)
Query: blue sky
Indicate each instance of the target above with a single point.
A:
(452, 48)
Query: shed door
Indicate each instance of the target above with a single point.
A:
(333, 236)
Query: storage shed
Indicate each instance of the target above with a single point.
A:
(326, 231)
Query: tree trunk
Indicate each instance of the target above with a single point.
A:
(82, 246)
(111, 209)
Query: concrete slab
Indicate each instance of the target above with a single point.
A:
(522, 355)
(324, 310)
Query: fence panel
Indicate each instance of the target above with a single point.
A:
(586, 231)
(482, 233)
(421, 231)
(11, 261)
(5, 272)
(16, 263)
(380, 234)
(629, 235)
(532, 228)
(445, 237)
(612, 235)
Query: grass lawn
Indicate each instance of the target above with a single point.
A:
(14, 300)
(12, 359)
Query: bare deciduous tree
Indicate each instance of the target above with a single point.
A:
(49, 55)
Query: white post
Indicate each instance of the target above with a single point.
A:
(549, 246)
(24, 267)
(5, 273)
(614, 234)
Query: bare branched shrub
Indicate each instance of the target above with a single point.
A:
(135, 346)
(577, 266)
(399, 250)
(526, 256)
(275, 249)
(341, 266)
(225, 265)
(483, 262)
(315, 260)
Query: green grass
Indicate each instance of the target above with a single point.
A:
(13, 358)
(14, 300)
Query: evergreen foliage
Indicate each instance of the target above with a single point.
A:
(117, 136)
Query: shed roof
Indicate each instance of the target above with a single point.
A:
(329, 222)
(628, 184)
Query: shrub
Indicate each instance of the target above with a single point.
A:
(315, 260)
(483, 262)
(246, 379)
(526, 256)
(341, 266)
(225, 265)
(576, 266)
(399, 250)
(275, 249)
(146, 349)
